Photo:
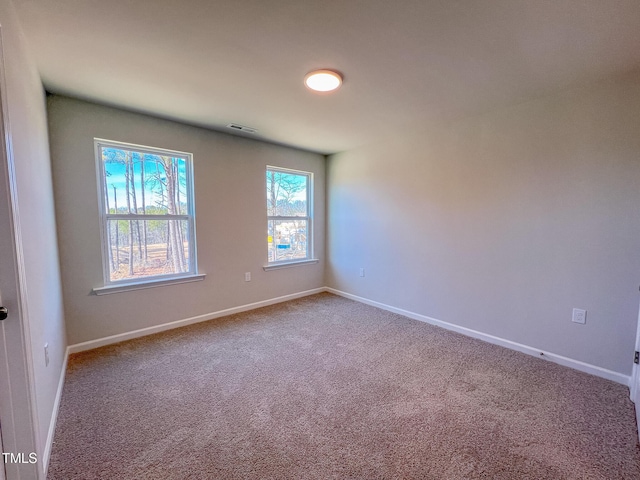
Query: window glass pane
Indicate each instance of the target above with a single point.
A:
(145, 248)
(140, 183)
(287, 239)
(286, 194)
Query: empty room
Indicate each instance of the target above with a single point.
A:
(307, 240)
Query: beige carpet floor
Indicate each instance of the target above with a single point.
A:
(324, 387)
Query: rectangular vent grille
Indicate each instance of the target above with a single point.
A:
(241, 128)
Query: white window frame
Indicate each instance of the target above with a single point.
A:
(309, 259)
(114, 286)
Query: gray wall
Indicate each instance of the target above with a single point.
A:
(230, 220)
(28, 134)
(503, 223)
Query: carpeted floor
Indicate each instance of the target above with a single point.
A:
(324, 387)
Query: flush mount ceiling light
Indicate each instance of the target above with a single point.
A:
(323, 81)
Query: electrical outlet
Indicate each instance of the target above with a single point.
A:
(362, 272)
(46, 354)
(579, 316)
(247, 277)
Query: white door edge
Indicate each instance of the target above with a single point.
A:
(2, 474)
(635, 378)
(18, 413)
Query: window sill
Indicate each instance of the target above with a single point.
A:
(294, 263)
(125, 287)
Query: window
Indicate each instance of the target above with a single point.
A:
(147, 213)
(289, 213)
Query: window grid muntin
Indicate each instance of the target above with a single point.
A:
(99, 145)
(308, 217)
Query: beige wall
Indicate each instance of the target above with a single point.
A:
(25, 101)
(230, 220)
(500, 223)
(503, 223)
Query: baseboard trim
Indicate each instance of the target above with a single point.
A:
(101, 342)
(54, 414)
(559, 359)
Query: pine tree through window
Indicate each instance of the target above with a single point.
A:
(288, 215)
(147, 211)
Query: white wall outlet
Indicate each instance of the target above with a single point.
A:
(247, 276)
(579, 316)
(362, 272)
(46, 354)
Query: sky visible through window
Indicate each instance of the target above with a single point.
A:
(288, 215)
(148, 221)
(286, 194)
(116, 165)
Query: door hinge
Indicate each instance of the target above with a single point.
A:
(636, 358)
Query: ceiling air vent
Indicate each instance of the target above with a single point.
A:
(241, 128)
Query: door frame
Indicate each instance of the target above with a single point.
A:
(18, 413)
(634, 386)
(2, 472)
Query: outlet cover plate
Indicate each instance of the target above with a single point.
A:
(579, 316)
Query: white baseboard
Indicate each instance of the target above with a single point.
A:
(54, 414)
(559, 359)
(100, 342)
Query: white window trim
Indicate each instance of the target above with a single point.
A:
(310, 214)
(192, 275)
(289, 264)
(151, 283)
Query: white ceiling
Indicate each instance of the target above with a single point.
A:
(405, 62)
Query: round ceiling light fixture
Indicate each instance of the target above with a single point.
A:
(323, 81)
